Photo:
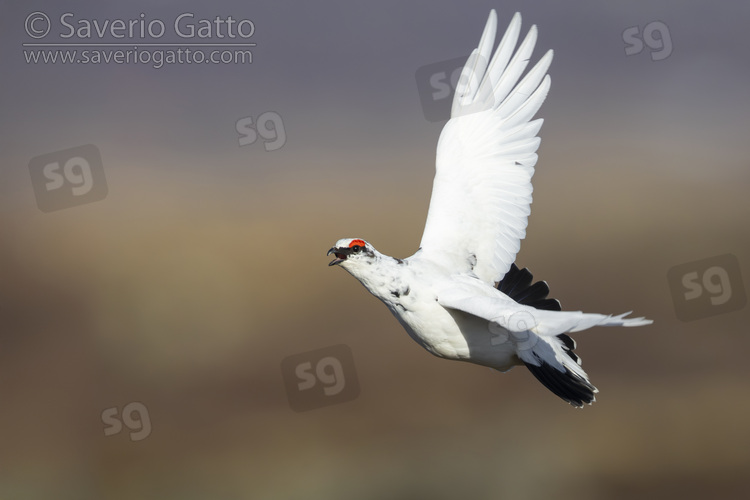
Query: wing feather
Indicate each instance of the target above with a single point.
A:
(486, 155)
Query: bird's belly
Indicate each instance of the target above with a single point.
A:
(433, 328)
(456, 335)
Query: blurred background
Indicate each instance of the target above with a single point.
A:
(202, 267)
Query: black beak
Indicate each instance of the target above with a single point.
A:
(340, 253)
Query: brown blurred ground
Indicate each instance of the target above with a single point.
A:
(186, 294)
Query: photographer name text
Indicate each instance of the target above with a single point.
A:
(184, 26)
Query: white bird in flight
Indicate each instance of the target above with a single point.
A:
(460, 296)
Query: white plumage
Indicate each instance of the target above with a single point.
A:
(486, 154)
(447, 295)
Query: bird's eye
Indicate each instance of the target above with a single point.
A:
(356, 248)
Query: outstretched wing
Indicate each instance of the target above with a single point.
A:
(481, 194)
(470, 295)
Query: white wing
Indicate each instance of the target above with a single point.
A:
(474, 297)
(481, 194)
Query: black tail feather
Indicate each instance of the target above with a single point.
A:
(547, 304)
(517, 284)
(567, 385)
(515, 281)
(568, 345)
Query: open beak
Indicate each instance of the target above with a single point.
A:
(340, 253)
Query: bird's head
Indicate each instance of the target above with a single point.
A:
(352, 253)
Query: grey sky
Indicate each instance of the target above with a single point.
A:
(341, 75)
